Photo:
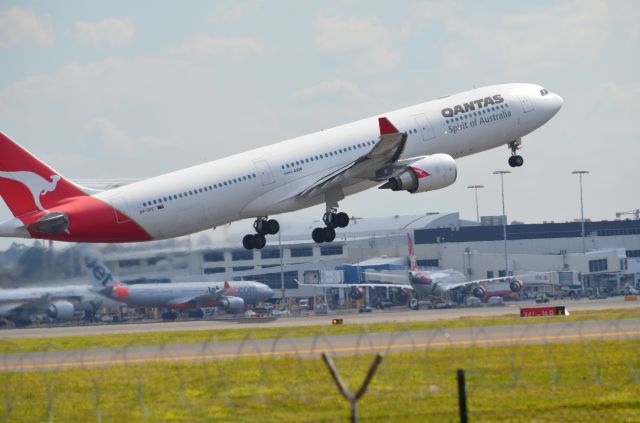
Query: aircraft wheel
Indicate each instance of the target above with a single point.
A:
(519, 161)
(341, 220)
(247, 242)
(273, 227)
(259, 241)
(512, 161)
(328, 234)
(318, 235)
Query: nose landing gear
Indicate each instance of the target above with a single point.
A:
(515, 160)
(263, 226)
(332, 219)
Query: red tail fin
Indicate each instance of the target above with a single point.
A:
(412, 253)
(26, 184)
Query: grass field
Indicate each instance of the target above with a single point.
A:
(566, 382)
(197, 336)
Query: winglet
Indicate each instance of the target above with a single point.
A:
(386, 127)
(226, 285)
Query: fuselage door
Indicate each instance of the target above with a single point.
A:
(121, 208)
(263, 168)
(425, 127)
(527, 105)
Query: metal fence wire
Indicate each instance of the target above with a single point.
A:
(577, 371)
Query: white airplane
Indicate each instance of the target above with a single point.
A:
(430, 284)
(57, 303)
(435, 284)
(411, 149)
(193, 297)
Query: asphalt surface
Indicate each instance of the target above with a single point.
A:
(336, 345)
(396, 314)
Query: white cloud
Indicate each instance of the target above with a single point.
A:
(229, 49)
(109, 32)
(544, 39)
(234, 11)
(117, 141)
(21, 27)
(366, 37)
(345, 88)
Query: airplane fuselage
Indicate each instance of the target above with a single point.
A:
(260, 182)
(164, 295)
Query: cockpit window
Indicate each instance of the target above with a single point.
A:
(544, 92)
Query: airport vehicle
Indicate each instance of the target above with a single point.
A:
(54, 303)
(192, 297)
(495, 302)
(542, 298)
(411, 149)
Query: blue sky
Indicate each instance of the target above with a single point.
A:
(134, 89)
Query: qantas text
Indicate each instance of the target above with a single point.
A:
(472, 105)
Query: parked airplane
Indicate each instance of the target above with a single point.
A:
(431, 284)
(428, 283)
(57, 303)
(189, 296)
(410, 149)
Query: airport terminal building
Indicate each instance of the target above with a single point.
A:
(607, 257)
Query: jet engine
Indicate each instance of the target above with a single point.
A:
(479, 292)
(61, 310)
(427, 174)
(233, 304)
(356, 293)
(401, 296)
(516, 285)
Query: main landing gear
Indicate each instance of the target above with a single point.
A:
(333, 220)
(515, 160)
(263, 226)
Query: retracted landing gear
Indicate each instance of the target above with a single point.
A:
(263, 226)
(515, 160)
(332, 219)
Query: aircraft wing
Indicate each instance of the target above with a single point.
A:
(355, 285)
(366, 167)
(99, 185)
(448, 286)
(8, 308)
(209, 297)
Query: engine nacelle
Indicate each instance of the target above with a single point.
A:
(233, 304)
(61, 310)
(427, 174)
(516, 285)
(356, 293)
(479, 292)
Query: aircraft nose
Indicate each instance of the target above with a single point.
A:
(266, 292)
(558, 101)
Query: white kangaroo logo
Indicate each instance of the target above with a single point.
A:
(34, 182)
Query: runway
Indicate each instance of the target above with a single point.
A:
(397, 314)
(337, 345)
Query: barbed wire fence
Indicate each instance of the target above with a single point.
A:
(530, 372)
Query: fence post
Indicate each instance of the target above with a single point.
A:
(462, 397)
(352, 398)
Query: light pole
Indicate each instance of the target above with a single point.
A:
(475, 187)
(580, 173)
(504, 220)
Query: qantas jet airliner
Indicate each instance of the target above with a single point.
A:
(411, 149)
